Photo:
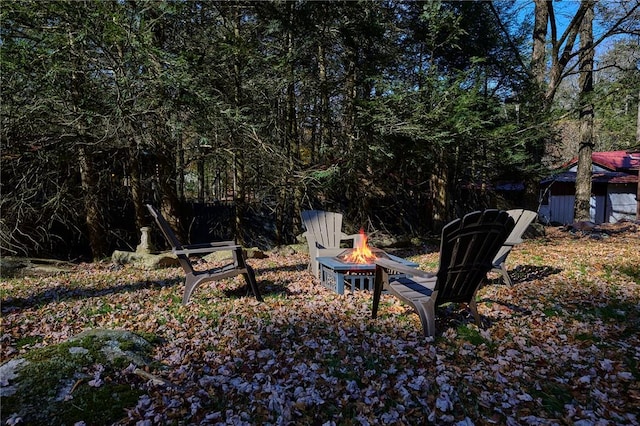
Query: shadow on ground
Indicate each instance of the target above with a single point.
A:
(525, 273)
(64, 293)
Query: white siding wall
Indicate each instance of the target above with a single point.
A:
(619, 204)
(622, 202)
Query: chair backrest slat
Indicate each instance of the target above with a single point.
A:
(523, 218)
(165, 228)
(324, 227)
(171, 239)
(467, 249)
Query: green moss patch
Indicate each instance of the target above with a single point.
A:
(63, 384)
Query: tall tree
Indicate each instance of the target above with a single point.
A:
(283, 103)
(60, 79)
(566, 59)
(583, 178)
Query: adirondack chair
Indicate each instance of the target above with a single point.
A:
(194, 278)
(324, 235)
(523, 219)
(467, 248)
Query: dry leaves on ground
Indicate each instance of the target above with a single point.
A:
(562, 346)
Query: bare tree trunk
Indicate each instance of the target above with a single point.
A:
(439, 192)
(583, 178)
(133, 170)
(201, 179)
(325, 113)
(88, 176)
(180, 165)
(348, 137)
(638, 197)
(638, 124)
(239, 195)
(349, 104)
(638, 145)
(291, 115)
(561, 47)
(238, 158)
(539, 71)
(170, 204)
(95, 229)
(538, 59)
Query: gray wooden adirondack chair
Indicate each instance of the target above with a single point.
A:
(523, 219)
(324, 235)
(467, 249)
(194, 278)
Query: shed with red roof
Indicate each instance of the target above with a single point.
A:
(614, 189)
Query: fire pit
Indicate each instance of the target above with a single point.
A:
(354, 267)
(351, 255)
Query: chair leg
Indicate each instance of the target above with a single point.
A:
(315, 270)
(190, 284)
(427, 312)
(473, 307)
(314, 266)
(505, 275)
(250, 278)
(507, 278)
(381, 277)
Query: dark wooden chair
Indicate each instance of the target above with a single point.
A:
(467, 249)
(523, 219)
(194, 278)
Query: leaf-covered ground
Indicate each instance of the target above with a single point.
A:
(562, 346)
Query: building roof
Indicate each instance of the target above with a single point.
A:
(616, 161)
(596, 177)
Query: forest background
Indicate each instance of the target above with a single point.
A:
(233, 116)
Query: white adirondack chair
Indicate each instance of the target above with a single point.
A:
(324, 236)
(523, 219)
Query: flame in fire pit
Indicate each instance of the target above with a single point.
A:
(361, 253)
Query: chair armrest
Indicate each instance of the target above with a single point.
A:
(383, 269)
(207, 247)
(391, 265)
(357, 238)
(330, 252)
(512, 243)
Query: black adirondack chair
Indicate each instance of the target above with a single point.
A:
(194, 278)
(467, 249)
